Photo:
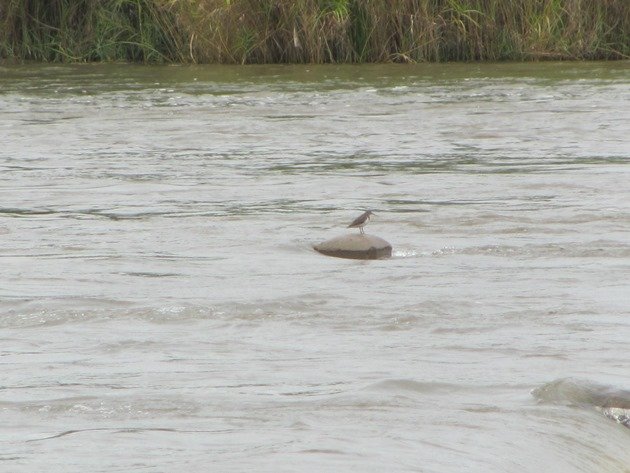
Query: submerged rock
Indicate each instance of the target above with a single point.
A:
(613, 403)
(356, 246)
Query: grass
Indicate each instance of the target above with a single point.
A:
(313, 31)
(87, 30)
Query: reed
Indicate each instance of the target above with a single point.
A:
(313, 31)
(87, 30)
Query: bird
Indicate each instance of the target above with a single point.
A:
(361, 221)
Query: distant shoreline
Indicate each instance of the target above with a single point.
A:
(313, 31)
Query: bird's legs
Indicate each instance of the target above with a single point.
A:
(361, 230)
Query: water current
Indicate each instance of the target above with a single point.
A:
(162, 308)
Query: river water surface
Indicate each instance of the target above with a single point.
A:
(161, 307)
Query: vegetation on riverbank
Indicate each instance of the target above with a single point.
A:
(313, 31)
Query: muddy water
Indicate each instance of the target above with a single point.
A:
(161, 306)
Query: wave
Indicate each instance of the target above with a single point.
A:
(612, 402)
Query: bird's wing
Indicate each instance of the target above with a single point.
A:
(357, 221)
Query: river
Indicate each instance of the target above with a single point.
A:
(162, 308)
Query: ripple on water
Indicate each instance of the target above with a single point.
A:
(161, 284)
(106, 406)
(53, 313)
(592, 249)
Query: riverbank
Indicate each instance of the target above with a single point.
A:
(313, 31)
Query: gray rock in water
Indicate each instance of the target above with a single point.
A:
(356, 246)
(613, 403)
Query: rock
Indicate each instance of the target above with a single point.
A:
(356, 246)
(613, 403)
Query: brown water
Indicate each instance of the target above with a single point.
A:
(161, 306)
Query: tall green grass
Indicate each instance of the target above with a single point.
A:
(88, 30)
(313, 31)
